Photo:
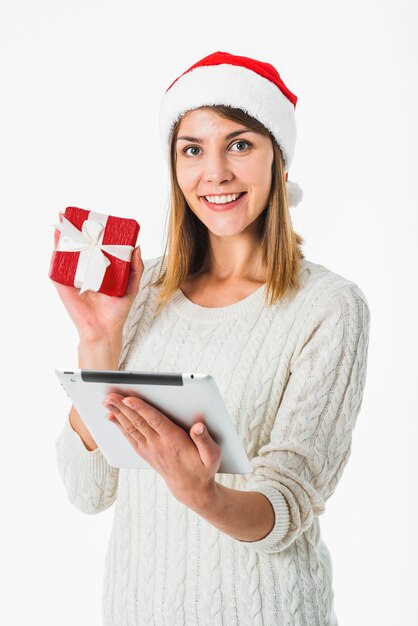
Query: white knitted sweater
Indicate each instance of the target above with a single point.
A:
(292, 377)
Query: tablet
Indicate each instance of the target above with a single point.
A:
(180, 396)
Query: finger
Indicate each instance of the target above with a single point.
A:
(134, 441)
(159, 422)
(130, 427)
(128, 414)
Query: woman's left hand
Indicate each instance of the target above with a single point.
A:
(187, 464)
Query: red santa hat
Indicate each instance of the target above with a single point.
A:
(237, 81)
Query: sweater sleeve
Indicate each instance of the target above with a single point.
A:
(309, 445)
(89, 480)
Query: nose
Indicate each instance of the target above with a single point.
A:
(216, 169)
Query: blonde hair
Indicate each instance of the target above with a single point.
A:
(188, 239)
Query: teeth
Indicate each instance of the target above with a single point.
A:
(222, 199)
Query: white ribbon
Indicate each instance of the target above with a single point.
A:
(92, 263)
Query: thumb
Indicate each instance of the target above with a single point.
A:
(136, 259)
(137, 267)
(199, 430)
(209, 450)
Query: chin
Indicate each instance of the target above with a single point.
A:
(222, 232)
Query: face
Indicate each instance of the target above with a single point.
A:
(217, 157)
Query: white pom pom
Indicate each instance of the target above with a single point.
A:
(294, 193)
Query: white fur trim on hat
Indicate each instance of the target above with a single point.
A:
(234, 86)
(294, 193)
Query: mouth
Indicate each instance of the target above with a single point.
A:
(225, 206)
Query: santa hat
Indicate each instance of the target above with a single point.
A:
(237, 81)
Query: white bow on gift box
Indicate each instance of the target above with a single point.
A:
(92, 263)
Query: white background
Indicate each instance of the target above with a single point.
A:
(80, 86)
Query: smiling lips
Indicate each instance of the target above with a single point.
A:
(222, 206)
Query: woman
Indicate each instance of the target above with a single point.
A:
(286, 340)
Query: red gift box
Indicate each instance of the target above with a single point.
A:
(94, 251)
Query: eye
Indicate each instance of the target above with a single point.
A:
(190, 148)
(241, 141)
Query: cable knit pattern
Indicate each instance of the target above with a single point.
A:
(292, 377)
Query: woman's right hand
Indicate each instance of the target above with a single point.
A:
(96, 315)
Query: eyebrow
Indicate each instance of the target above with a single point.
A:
(235, 133)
